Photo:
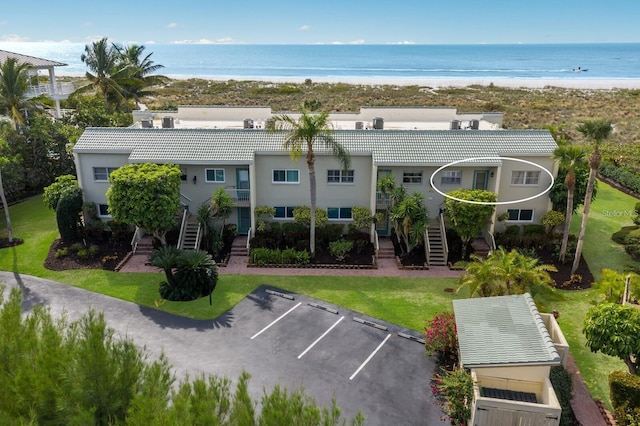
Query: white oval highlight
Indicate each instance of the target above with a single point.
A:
(494, 203)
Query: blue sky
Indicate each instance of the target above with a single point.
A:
(328, 21)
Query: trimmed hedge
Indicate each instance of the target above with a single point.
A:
(622, 176)
(625, 397)
(264, 256)
(563, 386)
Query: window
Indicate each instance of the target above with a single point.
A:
(520, 215)
(286, 176)
(103, 210)
(525, 177)
(339, 213)
(412, 177)
(340, 176)
(284, 213)
(453, 177)
(101, 174)
(214, 175)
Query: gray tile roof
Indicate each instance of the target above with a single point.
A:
(387, 147)
(502, 331)
(35, 62)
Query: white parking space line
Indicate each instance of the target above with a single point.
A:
(370, 356)
(278, 319)
(320, 338)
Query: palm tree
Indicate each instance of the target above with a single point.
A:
(142, 69)
(597, 131)
(13, 88)
(303, 133)
(570, 157)
(106, 72)
(505, 273)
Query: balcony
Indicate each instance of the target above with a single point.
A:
(240, 197)
(57, 92)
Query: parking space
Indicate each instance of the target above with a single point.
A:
(334, 352)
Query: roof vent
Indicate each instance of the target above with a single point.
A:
(378, 123)
(359, 125)
(167, 122)
(474, 124)
(455, 124)
(146, 123)
(248, 123)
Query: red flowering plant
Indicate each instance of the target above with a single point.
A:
(441, 339)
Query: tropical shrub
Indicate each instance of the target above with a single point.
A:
(196, 274)
(52, 193)
(340, 249)
(563, 386)
(68, 212)
(625, 397)
(454, 390)
(441, 338)
(264, 256)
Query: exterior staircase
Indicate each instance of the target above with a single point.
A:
(385, 248)
(239, 246)
(145, 245)
(436, 246)
(190, 236)
(480, 247)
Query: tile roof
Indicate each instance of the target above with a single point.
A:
(35, 62)
(502, 331)
(387, 147)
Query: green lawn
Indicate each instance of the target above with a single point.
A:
(408, 302)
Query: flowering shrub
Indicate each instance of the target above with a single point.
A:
(454, 390)
(441, 338)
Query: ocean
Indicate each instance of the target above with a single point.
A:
(609, 61)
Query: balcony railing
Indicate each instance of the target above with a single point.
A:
(382, 200)
(241, 197)
(60, 91)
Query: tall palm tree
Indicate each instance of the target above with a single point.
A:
(142, 69)
(570, 157)
(597, 131)
(13, 89)
(106, 72)
(302, 133)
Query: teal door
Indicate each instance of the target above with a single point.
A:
(382, 227)
(244, 220)
(480, 179)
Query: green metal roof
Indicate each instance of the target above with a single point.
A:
(502, 331)
(387, 147)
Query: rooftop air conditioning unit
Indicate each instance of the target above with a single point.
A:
(359, 125)
(455, 124)
(474, 124)
(248, 123)
(378, 123)
(167, 122)
(146, 123)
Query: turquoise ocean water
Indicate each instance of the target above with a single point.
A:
(517, 61)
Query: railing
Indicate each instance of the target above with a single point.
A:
(490, 239)
(443, 234)
(137, 236)
(185, 205)
(382, 200)
(60, 89)
(183, 225)
(427, 247)
(240, 197)
(248, 241)
(198, 236)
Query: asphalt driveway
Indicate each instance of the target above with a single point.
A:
(289, 339)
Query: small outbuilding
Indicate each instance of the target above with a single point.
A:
(509, 348)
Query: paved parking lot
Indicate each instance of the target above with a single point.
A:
(279, 338)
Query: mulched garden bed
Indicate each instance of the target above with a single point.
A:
(110, 255)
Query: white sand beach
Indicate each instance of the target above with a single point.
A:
(537, 83)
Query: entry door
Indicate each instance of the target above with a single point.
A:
(480, 179)
(244, 220)
(382, 227)
(242, 182)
